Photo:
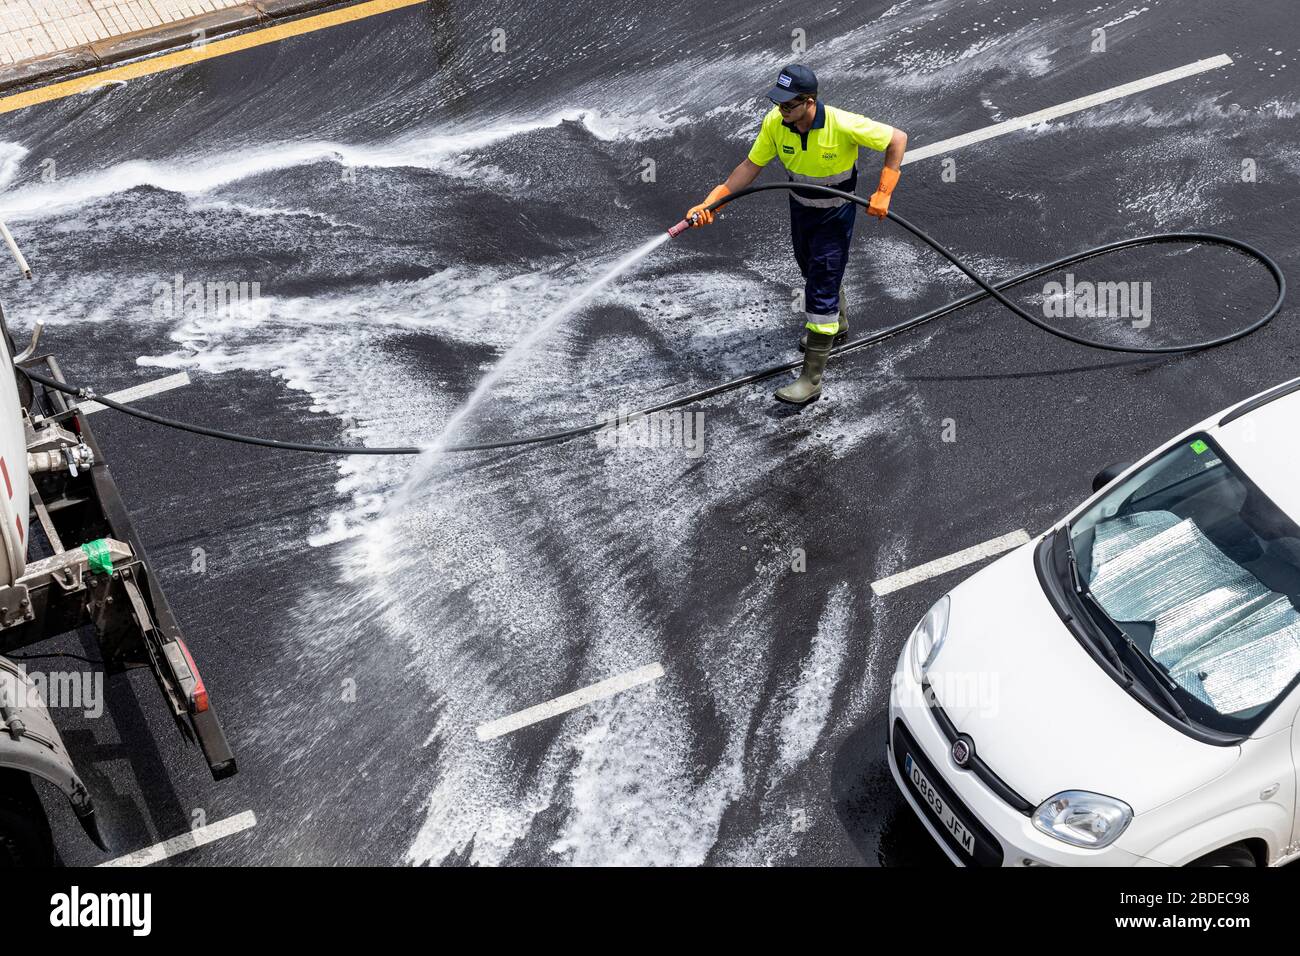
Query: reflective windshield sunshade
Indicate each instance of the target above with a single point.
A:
(1185, 628)
(1166, 570)
(1116, 535)
(1250, 663)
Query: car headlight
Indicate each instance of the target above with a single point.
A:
(927, 637)
(1083, 819)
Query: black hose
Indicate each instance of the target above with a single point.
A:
(1207, 238)
(88, 395)
(987, 290)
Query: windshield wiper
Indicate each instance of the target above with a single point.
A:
(1152, 668)
(1107, 624)
(1082, 590)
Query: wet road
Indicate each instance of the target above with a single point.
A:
(411, 203)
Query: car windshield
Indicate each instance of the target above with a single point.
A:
(1195, 564)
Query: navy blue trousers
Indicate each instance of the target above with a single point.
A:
(821, 247)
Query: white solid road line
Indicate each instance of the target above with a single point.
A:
(579, 698)
(197, 837)
(137, 392)
(1073, 106)
(932, 569)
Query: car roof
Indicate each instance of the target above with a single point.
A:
(1265, 444)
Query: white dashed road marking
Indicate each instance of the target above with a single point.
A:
(1073, 106)
(579, 698)
(933, 569)
(197, 837)
(137, 392)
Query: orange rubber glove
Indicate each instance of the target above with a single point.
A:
(880, 198)
(700, 216)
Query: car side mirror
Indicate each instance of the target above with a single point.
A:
(1108, 474)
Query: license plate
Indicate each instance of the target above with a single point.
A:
(947, 819)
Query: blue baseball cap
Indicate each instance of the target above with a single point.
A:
(794, 80)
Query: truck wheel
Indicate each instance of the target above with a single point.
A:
(1227, 856)
(24, 831)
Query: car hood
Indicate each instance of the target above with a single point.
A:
(1043, 714)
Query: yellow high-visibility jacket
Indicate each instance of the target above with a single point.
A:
(826, 155)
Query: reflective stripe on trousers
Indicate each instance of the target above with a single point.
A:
(826, 325)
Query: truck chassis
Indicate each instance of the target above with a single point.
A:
(96, 574)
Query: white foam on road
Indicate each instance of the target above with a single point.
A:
(434, 150)
(199, 836)
(636, 793)
(932, 569)
(563, 704)
(447, 154)
(11, 157)
(137, 392)
(809, 703)
(1063, 109)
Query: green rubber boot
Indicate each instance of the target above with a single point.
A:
(808, 386)
(841, 334)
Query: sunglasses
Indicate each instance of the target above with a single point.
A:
(790, 105)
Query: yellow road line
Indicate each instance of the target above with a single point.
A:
(215, 48)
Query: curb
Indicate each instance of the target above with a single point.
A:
(168, 36)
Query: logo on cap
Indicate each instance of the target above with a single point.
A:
(783, 79)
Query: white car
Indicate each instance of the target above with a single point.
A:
(1124, 690)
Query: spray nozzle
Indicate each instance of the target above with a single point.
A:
(681, 227)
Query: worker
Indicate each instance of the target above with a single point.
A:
(817, 144)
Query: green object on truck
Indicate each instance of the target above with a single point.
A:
(98, 556)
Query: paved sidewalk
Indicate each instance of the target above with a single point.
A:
(34, 28)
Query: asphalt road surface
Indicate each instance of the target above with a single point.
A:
(411, 202)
